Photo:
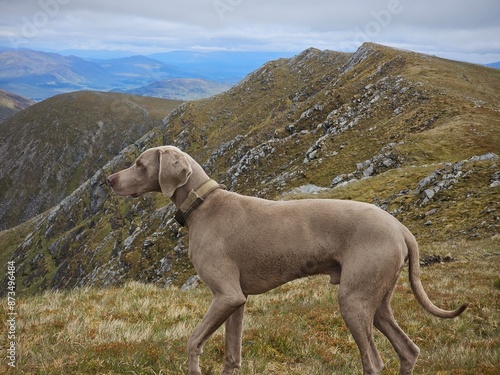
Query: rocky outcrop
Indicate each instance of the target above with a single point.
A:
(441, 179)
(380, 163)
(444, 178)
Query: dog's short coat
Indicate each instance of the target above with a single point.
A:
(242, 245)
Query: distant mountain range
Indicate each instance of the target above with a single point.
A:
(494, 65)
(186, 88)
(39, 75)
(414, 134)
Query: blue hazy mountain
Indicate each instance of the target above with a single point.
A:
(39, 75)
(225, 66)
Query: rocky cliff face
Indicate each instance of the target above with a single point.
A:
(412, 133)
(50, 149)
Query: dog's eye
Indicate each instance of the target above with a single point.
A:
(139, 164)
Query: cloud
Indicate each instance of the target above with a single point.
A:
(469, 30)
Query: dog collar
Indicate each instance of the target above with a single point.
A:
(194, 199)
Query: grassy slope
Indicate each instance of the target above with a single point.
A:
(295, 329)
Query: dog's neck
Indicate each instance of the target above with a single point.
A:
(197, 178)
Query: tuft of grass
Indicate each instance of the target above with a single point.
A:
(294, 329)
(496, 284)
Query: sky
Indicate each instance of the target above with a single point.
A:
(465, 30)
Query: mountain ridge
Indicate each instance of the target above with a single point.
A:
(412, 133)
(61, 142)
(11, 103)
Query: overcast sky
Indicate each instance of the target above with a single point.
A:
(465, 30)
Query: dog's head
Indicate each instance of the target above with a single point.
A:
(162, 169)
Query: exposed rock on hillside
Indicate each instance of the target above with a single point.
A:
(441, 179)
(383, 120)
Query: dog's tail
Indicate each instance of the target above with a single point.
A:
(416, 283)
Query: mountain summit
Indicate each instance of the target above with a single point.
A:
(412, 133)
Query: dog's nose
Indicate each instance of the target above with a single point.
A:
(110, 180)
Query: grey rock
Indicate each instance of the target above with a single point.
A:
(130, 239)
(307, 189)
(429, 193)
(387, 162)
(368, 171)
(431, 212)
(313, 154)
(488, 156)
(165, 266)
(495, 179)
(191, 283)
(337, 180)
(147, 243)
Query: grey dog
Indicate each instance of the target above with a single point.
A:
(242, 245)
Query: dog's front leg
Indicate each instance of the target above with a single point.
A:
(221, 308)
(234, 328)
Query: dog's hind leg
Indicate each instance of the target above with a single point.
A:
(404, 347)
(360, 293)
(358, 316)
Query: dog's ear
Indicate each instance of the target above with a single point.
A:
(175, 171)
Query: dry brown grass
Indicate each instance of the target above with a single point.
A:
(295, 329)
